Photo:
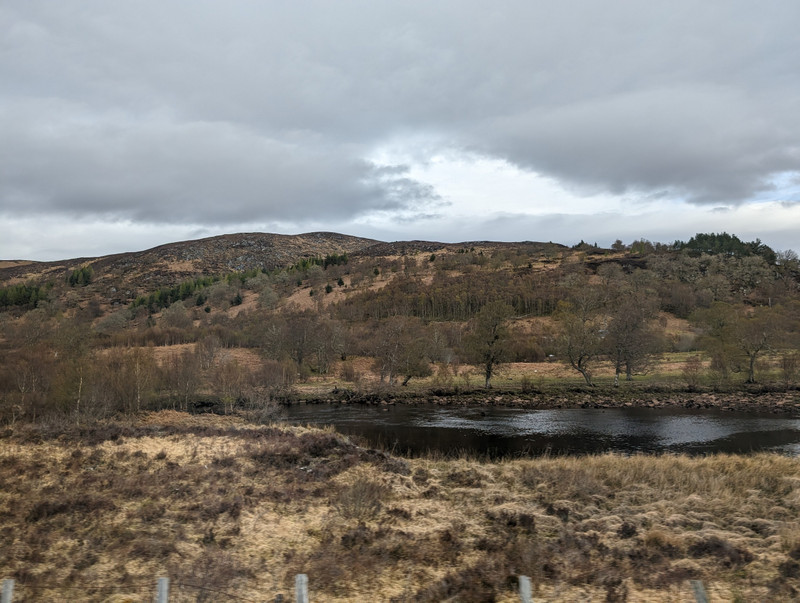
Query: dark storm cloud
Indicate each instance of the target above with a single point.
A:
(705, 144)
(215, 112)
(157, 171)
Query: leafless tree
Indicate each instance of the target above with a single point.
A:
(485, 343)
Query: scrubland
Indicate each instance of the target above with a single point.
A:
(232, 511)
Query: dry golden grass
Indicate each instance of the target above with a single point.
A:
(249, 302)
(218, 503)
(247, 358)
(301, 300)
(14, 263)
(182, 266)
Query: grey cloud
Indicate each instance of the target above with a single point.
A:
(228, 112)
(156, 170)
(705, 144)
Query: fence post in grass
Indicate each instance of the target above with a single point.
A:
(525, 592)
(301, 588)
(699, 591)
(162, 595)
(8, 591)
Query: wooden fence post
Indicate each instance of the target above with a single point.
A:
(525, 592)
(162, 595)
(699, 591)
(301, 588)
(8, 591)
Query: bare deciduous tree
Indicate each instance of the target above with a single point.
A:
(582, 328)
(630, 339)
(485, 343)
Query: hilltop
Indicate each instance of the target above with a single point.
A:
(173, 262)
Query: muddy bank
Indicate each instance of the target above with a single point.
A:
(787, 402)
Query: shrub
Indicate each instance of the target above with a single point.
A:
(714, 546)
(527, 385)
(360, 500)
(790, 364)
(78, 504)
(692, 371)
(349, 373)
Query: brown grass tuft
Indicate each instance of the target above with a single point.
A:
(361, 500)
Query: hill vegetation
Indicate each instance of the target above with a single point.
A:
(106, 486)
(152, 331)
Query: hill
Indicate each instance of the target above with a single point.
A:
(140, 272)
(236, 320)
(212, 255)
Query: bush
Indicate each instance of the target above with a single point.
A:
(527, 385)
(692, 372)
(790, 365)
(349, 373)
(360, 500)
(79, 504)
(714, 546)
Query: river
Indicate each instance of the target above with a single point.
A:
(500, 431)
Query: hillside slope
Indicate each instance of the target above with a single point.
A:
(173, 262)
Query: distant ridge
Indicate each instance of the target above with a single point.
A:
(404, 247)
(185, 259)
(172, 263)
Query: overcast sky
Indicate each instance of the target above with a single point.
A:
(128, 124)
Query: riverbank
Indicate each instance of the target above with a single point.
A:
(755, 400)
(94, 512)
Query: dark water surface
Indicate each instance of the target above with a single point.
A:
(498, 431)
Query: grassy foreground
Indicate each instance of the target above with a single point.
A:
(223, 506)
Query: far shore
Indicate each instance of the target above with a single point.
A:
(777, 402)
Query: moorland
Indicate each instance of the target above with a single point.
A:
(140, 397)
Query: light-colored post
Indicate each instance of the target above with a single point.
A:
(301, 588)
(8, 591)
(525, 592)
(163, 590)
(699, 591)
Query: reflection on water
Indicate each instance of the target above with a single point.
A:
(511, 431)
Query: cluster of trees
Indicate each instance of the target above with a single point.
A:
(736, 337)
(166, 296)
(59, 372)
(455, 297)
(726, 244)
(615, 319)
(22, 295)
(81, 276)
(332, 259)
(686, 282)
